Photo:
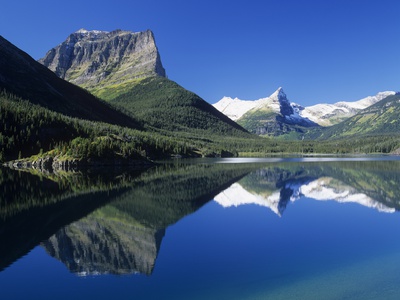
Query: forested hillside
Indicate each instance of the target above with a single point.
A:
(29, 129)
(163, 104)
(380, 119)
(22, 76)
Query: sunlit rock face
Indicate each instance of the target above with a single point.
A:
(94, 59)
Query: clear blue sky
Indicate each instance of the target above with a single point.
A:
(318, 51)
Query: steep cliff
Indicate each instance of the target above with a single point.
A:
(98, 59)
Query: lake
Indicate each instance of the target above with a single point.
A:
(273, 228)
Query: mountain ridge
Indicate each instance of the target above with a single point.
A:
(330, 114)
(323, 114)
(380, 118)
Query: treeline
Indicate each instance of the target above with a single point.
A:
(383, 144)
(28, 129)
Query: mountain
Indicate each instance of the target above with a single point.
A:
(45, 117)
(22, 76)
(274, 115)
(321, 114)
(99, 60)
(331, 114)
(379, 119)
(125, 68)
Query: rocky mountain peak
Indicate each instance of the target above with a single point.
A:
(278, 94)
(286, 108)
(95, 59)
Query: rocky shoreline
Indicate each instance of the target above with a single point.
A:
(56, 164)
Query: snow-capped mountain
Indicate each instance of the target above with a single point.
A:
(236, 108)
(274, 115)
(321, 189)
(321, 114)
(331, 114)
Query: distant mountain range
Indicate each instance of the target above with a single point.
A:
(381, 118)
(276, 115)
(332, 114)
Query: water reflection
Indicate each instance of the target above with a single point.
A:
(105, 242)
(114, 222)
(34, 206)
(117, 223)
(371, 184)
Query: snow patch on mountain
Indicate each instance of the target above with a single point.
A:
(330, 114)
(84, 31)
(236, 108)
(321, 114)
(277, 102)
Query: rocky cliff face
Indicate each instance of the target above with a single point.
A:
(94, 59)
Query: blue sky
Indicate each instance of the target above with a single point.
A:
(318, 51)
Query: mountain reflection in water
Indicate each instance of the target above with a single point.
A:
(320, 189)
(97, 224)
(118, 221)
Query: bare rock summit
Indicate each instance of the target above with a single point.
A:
(97, 59)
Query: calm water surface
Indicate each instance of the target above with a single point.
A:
(209, 229)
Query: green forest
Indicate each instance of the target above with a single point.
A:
(31, 130)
